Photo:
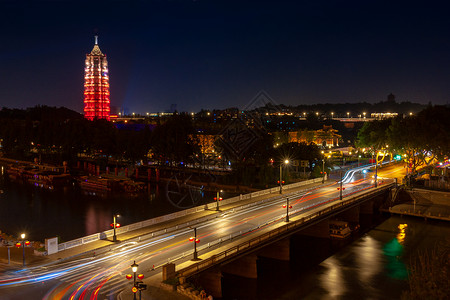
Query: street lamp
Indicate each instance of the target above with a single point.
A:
(23, 247)
(376, 171)
(348, 114)
(323, 168)
(332, 113)
(196, 241)
(287, 206)
(114, 225)
(218, 198)
(134, 267)
(340, 188)
(286, 162)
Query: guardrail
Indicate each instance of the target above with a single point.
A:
(179, 214)
(224, 255)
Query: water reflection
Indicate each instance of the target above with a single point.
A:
(332, 279)
(70, 213)
(367, 256)
(393, 251)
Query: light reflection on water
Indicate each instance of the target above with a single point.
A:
(373, 266)
(69, 213)
(333, 279)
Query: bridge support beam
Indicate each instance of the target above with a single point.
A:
(211, 281)
(366, 208)
(350, 215)
(321, 230)
(244, 267)
(280, 250)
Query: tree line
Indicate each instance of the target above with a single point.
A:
(419, 138)
(59, 134)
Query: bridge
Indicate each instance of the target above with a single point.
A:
(231, 238)
(274, 238)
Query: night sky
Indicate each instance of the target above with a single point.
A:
(217, 54)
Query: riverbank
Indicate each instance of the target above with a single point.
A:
(422, 203)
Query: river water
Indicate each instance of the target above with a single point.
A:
(370, 265)
(71, 213)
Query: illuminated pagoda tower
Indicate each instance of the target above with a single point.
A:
(96, 85)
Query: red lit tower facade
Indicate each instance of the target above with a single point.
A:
(96, 85)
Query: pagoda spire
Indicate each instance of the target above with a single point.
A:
(96, 39)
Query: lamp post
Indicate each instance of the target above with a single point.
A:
(115, 216)
(359, 156)
(376, 171)
(23, 247)
(218, 198)
(134, 267)
(286, 162)
(287, 206)
(323, 169)
(196, 241)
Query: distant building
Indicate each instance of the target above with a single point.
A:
(96, 85)
(381, 116)
(326, 137)
(391, 98)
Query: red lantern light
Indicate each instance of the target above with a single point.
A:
(27, 243)
(191, 239)
(18, 245)
(129, 276)
(278, 181)
(282, 182)
(290, 206)
(117, 225)
(134, 289)
(112, 225)
(284, 205)
(215, 198)
(141, 276)
(197, 241)
(220, 199)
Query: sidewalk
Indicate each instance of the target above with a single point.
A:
(153, 291)
(426, 204)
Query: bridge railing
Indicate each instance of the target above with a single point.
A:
(222, 256)
(178, 214)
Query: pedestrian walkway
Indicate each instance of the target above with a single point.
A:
(428, 204)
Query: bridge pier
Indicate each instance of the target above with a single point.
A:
(366, 208)
(350, 215)
(279, 251)
(211, 281)
(320, 229)
(244, 267)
